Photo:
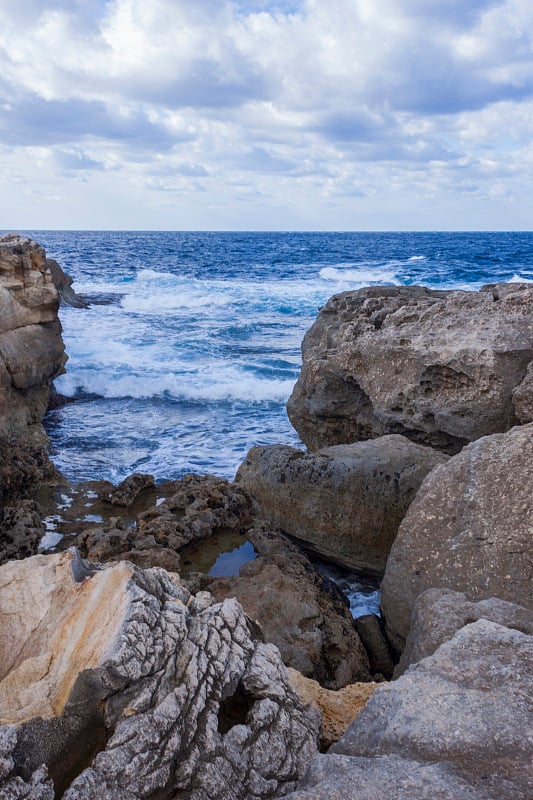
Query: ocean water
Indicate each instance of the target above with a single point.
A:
(191, 346)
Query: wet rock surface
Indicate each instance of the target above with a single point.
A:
(345, 502)
(158, 693)
(307, 618)
(469, 529)
(454, 726)
(439, 367)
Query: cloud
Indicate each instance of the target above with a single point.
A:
(348, 97)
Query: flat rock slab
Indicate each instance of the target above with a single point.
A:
(345, 502)
(440, 367)
(469, 529)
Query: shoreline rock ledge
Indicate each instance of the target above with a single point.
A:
(440, 367)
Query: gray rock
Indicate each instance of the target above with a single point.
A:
(466, 707)
(336, 777)
(371, 630)
(21, 530)
(439, 613)
(345, 502)
(523, 397)
(439, 367)
(469, 529)
(126, 686)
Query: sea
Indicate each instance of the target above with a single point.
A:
(191, 345)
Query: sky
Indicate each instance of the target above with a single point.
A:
(302, 115)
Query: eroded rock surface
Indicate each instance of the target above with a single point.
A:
(197, 507)
(306, 617)
(126, 686)
(439, 613)
(345, 502)
(469, 529)
(337, 708)
(439, 367)
(453, 727)
(31, 349)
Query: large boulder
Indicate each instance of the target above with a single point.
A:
(437, 366)
(125, 686)
(453, 727)
(345, 502)
(32, 352)
(306, 617)
(439, 613)
(469, 529)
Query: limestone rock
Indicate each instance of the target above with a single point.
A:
(306, 617)
(465, 707)
(345, 502)
(63, 284)
(370, 628)
(21, 530)
(31, 348)
(338, 708)
(523, 397)
(336, 777)
(439, 613)
(199, 506)
(439, 367)
(24, 462)
(453, 727)
(469, 529)
(125, 686)
(128, 490)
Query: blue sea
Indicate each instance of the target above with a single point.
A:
(191, 346)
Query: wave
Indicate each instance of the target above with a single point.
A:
(362, 276)
(520, 279)
(233, 386)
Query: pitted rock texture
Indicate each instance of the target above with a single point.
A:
(129, 489)
(125, 686)
(345, 502)
(453, 727)
(306, 617)
(469, 529)
(439, 613)
(199, 506)
(21, 530)
(439, 367)
(31, 349)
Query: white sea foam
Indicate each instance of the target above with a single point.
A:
(520, 279)
(362, 276)
(417, 258)
(214, 386)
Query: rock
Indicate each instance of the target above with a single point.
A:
(126, 492)
(306, 617)
(338, 708)
(439, 613)
(345, 502)
(125, 686)
(63, 284)
(199, 507)
(24, 463)
(336, 777)
(523, 397)
(439, 367)
(371, 631)
(31, 349)
(466, 707)
(468, 529)
(21, 530)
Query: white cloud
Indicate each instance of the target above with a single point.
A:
(286, 105)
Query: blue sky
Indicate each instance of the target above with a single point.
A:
(318, 114)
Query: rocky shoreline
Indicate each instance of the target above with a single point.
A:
(128, 671)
